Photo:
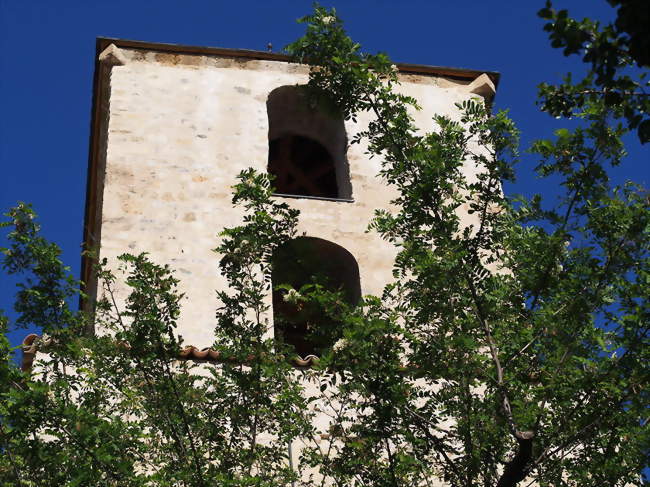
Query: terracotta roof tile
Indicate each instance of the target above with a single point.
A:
(33, 343)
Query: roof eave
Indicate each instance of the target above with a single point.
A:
(407, 68)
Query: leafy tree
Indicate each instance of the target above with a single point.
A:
(509, 351)
(618, 54)
(119, 408)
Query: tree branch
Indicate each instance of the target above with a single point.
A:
(517, 469)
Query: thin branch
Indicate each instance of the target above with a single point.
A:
(7, 449)
(606, 92)
(181, 409)
(494, 353)
(558, 247)
(438, 444)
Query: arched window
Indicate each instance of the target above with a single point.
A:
(301, 262)
(307, 146)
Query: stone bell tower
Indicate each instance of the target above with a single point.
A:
(173, 125)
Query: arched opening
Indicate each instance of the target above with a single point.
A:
(297, 265)
(302, 166)
(307, 146)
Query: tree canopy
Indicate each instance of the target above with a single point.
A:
(618, 58)
(510, 351)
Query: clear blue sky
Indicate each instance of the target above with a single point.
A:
(47, 58)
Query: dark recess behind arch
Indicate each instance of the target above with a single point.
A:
(307, 145)
(300, 262)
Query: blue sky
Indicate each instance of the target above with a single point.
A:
(47, 59)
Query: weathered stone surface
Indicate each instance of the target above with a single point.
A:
(483, 86)
(113, 56)
(179, 128)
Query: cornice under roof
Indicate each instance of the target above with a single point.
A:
(447, 72)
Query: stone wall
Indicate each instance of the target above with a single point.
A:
(174, 131)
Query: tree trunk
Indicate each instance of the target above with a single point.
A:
(516, 469)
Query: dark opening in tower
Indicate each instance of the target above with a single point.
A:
(307, 146)
(299, 265)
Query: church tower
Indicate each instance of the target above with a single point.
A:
(172, 126)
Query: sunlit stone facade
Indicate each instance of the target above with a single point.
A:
(172, 128)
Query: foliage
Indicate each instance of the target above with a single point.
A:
(613, 51)
(511, 346)
(525, 325)
(119, 408)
